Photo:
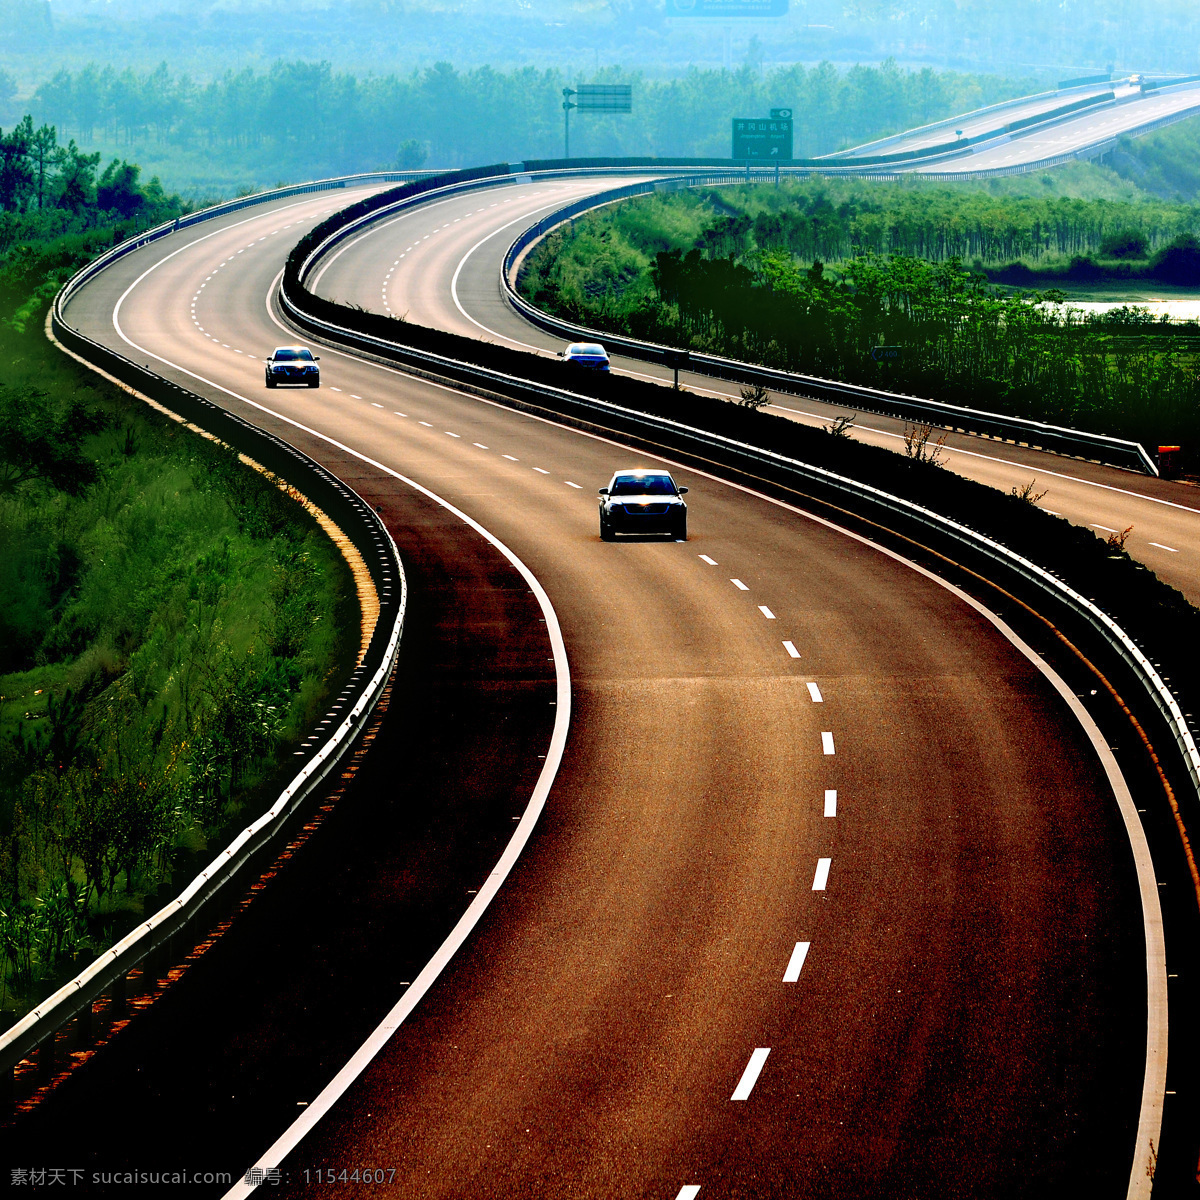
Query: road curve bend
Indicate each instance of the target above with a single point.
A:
(833, 892)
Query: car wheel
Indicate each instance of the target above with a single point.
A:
(680, 530)
(270, 382)
(314, 383)
(606, 531)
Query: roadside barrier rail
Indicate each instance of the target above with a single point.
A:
(1116, 451)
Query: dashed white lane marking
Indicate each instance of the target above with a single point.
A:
(821, 878)
(1170, 549)
(480, 445)
(426, 424)
(541, 470)
(750, 1074)
(333, 389)
(741, 587)
(689, 1191)
(510, 458)
(1104, 527)
(574, 485)
(826, 743)
(399, 414)
(796, 962)
(449, 434)
(766, 612)
(790, 647)
(815, 693)
(831, 802)
(354, 397)
(373, 404)
(712, 562)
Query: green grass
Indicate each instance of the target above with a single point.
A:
(166, 637)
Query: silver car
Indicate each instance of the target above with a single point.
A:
(293, 364)
(643, 500)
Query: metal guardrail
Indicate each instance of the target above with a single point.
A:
(323, 750)
(690, 439)
(1116, 451)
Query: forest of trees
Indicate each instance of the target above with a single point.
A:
(304, 116)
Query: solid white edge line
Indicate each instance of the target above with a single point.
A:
(537, 801)
(796, 962)
(1154, 1079)
(750, 1074)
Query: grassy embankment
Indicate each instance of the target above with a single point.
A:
(813, 274)
(170, 624)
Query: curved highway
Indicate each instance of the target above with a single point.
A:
(972, 124)
(1134, 112)
(832, 894)
(442, 269)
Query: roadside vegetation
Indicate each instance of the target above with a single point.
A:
(297, 119)
(812, 275)
(170, 621)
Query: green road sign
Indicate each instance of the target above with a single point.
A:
(604, 97)
(762, 139)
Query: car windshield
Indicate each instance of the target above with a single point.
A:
(642, 485)
(292, 354)
(590, 351)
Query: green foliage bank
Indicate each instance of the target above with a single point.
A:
(170, 623)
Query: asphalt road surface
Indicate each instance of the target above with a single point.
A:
(971, 124)
(831, 896)
(1133, 111)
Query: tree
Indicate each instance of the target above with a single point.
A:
(117, 190)
(43, 156)
(38, 443)
(76, 178)
(16, 174)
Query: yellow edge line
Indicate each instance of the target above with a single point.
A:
(368, 596)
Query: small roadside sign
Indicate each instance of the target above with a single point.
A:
(887, 353)
(763, 139)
